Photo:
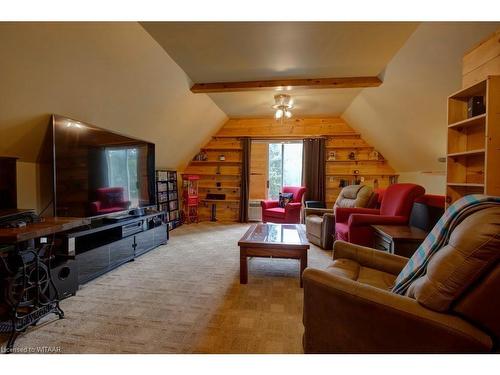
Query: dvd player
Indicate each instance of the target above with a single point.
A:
(117, 218)
(132, 228)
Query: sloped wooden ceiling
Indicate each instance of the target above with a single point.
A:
(112, 75)
(241, 51)
(115, 75)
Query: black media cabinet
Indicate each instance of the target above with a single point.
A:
(103, 246)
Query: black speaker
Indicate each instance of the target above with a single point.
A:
(64, 273)
(475, 106)
(216, 196)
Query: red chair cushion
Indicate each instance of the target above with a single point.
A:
(432, 200)
(398, 199)
(342, 231)
(297, 191)
(109, 210)
(275, 212)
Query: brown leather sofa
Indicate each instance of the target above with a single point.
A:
(320, 222)
(453, 308)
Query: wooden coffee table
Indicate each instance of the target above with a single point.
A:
(286, 241)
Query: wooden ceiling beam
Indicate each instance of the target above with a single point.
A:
(288, 84)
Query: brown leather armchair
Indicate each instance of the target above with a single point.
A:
(453, 308)
(320, 222)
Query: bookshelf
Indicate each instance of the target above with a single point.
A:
(473, 146)
(167, 197)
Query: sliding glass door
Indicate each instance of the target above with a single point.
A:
(284, 167)
(273, 164)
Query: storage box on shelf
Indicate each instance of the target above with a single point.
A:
(167, 197)
(473, 153)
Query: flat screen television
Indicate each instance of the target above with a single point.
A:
(97, 172)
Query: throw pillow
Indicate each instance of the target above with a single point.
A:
(285, 198)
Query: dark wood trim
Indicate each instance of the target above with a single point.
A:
(401, 240)
(308, 83)
(48, 226)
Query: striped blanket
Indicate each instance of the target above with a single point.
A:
(439, 236)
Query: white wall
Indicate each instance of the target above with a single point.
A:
(433, 183)
(112, 75)
(405, 118)
(27, 185)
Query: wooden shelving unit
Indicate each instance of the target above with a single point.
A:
(473, 121)
(216, 162)
(223, 176)
(356, 161)
(219, 174)
(167, 197)
(219, 177)
(464, 184)
(349, 147)
(368, 166)
(221, 148)
(360, 174)
(468, 153)
(473, 152)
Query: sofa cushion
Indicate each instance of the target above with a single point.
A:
(351, 191)
(352, 270)
(354, 196)
(313, 225)
(284, 199)
(376, 278)
(346, 268)
(275, 212)
(472, 250)
(482, 303)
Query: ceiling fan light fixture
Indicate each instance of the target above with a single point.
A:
(283, 103)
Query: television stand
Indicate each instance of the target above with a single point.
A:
(104, 245)
(117, 218)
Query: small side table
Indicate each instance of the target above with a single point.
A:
(398, 239)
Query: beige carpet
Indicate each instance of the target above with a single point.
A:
(185, 297)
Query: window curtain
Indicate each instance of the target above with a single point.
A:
(245, 178)
(313, 168)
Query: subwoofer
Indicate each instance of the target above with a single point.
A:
(64, 274)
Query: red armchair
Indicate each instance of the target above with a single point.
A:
(354, 224)
(109, 200)
(273, 213)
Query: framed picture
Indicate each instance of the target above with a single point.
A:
(332, 155)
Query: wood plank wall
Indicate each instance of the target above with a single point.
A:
(259, 161)
(224, 176)
(482, 61)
